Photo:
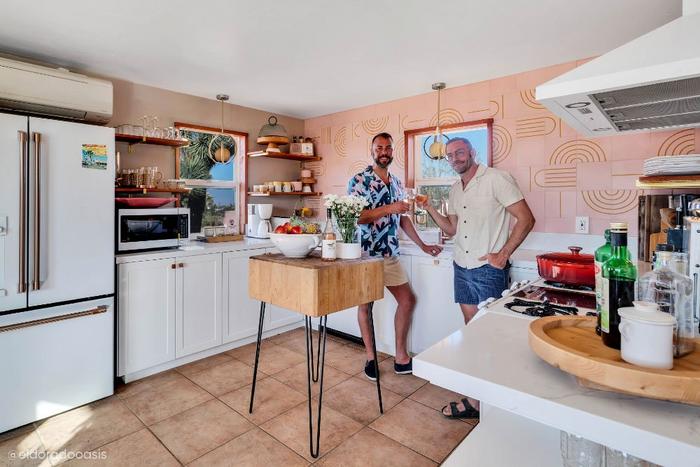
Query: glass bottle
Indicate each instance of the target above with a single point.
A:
(328, 239)
(673, 292)
(619, 275)
(602, 254)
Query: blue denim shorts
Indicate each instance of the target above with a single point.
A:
(473, 286)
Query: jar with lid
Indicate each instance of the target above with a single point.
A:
(673, 293)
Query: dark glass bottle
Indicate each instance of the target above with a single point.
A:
(601, 255)
(619, 276)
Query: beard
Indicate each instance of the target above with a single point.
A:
(383, 165)
(460, 169)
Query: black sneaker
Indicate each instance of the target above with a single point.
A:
(403, 369)
(370, 373)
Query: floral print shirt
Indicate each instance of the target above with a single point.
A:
(379, 238)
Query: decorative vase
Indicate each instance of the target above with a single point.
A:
(348, 250)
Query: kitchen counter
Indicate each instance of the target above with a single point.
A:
(505, 373)
(194, 248)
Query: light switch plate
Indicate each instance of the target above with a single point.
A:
(582, 224)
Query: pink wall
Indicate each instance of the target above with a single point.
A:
(561, 173)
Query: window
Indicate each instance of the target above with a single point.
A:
(435, 177)
(215, 196)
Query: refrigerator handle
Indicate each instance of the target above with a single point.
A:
(22, 286)
(36, 282)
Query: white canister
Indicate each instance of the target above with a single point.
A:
(647, 335)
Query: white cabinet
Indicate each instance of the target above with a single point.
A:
(198, 304)
(146, 298)
(518, 274)
(241, 313)
(436, 315)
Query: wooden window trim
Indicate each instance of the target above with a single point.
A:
(243, 186)
(409, 136)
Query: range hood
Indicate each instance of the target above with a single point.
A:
(651, 83)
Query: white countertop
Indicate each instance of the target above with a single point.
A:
(490, 359)
(195, 248)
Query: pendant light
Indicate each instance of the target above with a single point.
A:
(222, 147)
(437, 148)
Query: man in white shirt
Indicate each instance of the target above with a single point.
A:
(480, 207)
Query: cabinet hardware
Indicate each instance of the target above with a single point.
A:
(28, 324)
(180, 265)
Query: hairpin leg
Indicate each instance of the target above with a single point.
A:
(257, 355)
(374, 350)
(309, 374)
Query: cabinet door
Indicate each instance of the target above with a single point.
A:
(241, 313)
(436, 315)
(281, 316)
(198, 305)
(146, 309)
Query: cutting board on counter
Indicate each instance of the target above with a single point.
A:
(571, 344)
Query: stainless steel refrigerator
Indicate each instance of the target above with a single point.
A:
(56, 266)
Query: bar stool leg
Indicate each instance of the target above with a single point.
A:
(257, 355)
(309, 374)
(374, 350)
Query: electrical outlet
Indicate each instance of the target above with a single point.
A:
(582, 224)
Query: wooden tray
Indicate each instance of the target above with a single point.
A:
(221, 238)
(571, 344)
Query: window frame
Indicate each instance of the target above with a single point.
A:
(241, 175)
(410, 137)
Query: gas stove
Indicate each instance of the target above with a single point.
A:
(542, 298)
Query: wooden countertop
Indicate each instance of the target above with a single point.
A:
(312, 286)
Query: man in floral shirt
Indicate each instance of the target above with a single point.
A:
(379, 223)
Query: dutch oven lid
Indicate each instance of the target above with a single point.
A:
(575, 257)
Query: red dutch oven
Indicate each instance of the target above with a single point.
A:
(567, 268)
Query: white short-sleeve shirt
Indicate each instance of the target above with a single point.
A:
(482, 220)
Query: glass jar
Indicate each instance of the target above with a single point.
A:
(673, 292)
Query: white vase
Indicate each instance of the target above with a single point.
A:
(347, 250)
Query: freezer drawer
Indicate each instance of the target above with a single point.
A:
(55, 359)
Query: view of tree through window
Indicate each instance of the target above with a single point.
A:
(214, 204)
(435, 177)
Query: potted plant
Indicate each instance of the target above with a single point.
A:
(346, 210)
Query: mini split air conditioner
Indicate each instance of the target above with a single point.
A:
(54, 92)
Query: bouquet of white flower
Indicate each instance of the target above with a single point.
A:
(346, 210)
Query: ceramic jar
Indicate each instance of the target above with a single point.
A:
(647, 335)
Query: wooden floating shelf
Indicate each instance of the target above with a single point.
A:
(669, 181)
(135, 139)
(286, 193)
(571, 344)
(286, 156)
(150, 190)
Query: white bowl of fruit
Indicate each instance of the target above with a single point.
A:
(296, 239)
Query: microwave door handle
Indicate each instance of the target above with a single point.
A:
(36, 283)
(22, 286)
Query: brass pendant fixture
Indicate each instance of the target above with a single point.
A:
(222, 147)
(436, 150)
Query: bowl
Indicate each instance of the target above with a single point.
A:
(295, 245)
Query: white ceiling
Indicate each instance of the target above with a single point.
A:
(313, 57)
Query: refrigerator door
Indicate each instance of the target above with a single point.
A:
(55, 359)
(13, 189)
(71, 211)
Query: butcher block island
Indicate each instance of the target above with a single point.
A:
(314, 288)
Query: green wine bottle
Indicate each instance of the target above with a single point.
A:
(601, 255)
(618, 284)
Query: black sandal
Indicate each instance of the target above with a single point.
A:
(468, 412)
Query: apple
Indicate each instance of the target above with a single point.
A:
(280, 229)
(295, 230)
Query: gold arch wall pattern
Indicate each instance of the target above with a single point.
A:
(611, 201)
(405, 124)
(536, 126)
(317, 168)
(502, 144)
(399, 153)
(555, 177)
(679, 143)
(375, 125)
(356, 166)
(528, 98)
(578, 150)
(447, 117)
(339, 141)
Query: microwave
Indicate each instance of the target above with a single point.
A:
(145, 229)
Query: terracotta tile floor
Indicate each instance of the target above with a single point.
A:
(197, 414)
